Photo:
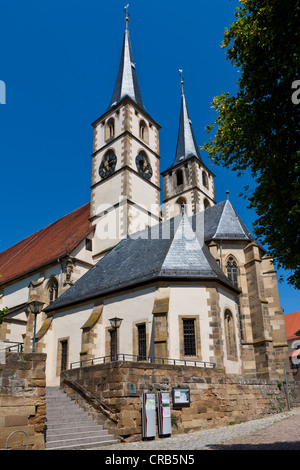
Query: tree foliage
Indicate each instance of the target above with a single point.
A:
(258, 128)
(3, 312)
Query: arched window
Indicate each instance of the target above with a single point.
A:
(232, 274)
(230, 335)
(110, 129)
(206, 203)
(143, 131)
(180, 204)
(53, 290)
(179, 177)
(232, 271)
(205, 179)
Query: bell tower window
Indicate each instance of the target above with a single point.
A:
(144, 131)
(179, 177)
(110, 129)
(205, 179)
(180, 205)
(206, 203)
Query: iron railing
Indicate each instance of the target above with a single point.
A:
(136, 358)
(13, 345)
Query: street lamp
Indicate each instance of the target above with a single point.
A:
(115, 323)
(35, 308)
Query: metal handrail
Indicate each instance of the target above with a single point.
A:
(14, 344)
(138, 358)
(14, 432)
(89, 393)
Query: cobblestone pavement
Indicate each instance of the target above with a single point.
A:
(276, 432)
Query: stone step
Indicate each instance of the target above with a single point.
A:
(65, 412)
(81, 427)
(58, 401)
(72, 420)
(70, 435)
(69, 426)
(84, 445)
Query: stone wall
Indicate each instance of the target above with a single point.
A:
(216, 398)
(23, 400)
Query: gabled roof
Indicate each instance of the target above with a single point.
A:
(168, 251)
(186, 142)
(292, 325)
(127, 83)
(46, 245)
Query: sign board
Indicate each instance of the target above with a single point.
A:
(164, 413)
(132, 388)
(148, 415)
(181, 396)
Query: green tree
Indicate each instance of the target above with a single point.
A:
(3, 312)
(258, 128)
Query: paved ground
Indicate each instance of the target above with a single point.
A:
(277, 432)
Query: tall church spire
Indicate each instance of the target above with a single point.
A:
(127, 83)
(187, 181)
(186, 144)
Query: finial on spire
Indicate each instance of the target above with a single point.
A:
(181, 76)
(227, 193)
(126, 11)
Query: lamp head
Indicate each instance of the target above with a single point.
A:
(115, 322)
(36, 306)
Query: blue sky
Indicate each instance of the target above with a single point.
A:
(59, 61)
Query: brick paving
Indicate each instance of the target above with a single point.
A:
(276, 432)
(283, 435)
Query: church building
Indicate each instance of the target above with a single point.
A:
(140, 273)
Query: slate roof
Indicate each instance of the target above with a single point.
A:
(186, 142)
(127, 83)
(171, 250)
(222, 222)
(46, 245)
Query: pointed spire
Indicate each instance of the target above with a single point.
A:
(186, 144)
(127, 83)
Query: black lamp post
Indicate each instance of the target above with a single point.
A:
(35, 308)
(115, 324)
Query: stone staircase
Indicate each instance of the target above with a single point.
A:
(69, 427)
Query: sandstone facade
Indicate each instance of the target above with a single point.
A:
(23, 401)
(217, 399)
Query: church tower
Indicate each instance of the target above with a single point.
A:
(187, 181)
(125, 190)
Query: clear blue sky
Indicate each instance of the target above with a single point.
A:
(59, 61)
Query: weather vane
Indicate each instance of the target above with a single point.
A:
(126, 11)
(181, 76)
(180, 73)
